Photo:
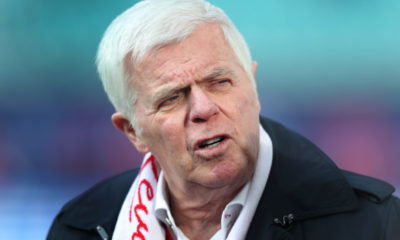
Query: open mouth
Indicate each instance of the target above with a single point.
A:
(211, 142)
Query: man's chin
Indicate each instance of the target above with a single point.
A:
(225, 173)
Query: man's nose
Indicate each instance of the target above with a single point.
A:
(202, 107)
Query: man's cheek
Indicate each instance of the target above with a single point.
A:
(172, 137)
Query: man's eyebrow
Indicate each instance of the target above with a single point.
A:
(167, 91)
(217, 72)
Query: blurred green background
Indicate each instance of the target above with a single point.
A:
(329, 69)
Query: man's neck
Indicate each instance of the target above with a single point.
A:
(198, 214)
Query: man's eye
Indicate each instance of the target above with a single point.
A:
(222, 84)
(169, 101)
(223, 81)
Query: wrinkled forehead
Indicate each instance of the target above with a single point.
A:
(201, 49)
(206, 33)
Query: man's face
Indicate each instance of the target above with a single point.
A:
(198, 112)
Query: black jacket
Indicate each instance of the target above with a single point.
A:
(306, 197)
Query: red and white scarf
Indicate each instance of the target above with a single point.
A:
(136, 220)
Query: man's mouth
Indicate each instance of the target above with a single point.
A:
(211, 142)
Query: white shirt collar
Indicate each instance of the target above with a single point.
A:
(234, 208)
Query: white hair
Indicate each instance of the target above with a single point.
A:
(148, 25)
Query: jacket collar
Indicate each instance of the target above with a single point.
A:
(303, 181)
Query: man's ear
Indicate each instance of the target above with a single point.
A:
(254, 68)
(123, 124)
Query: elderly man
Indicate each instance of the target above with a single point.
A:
(181, 79)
